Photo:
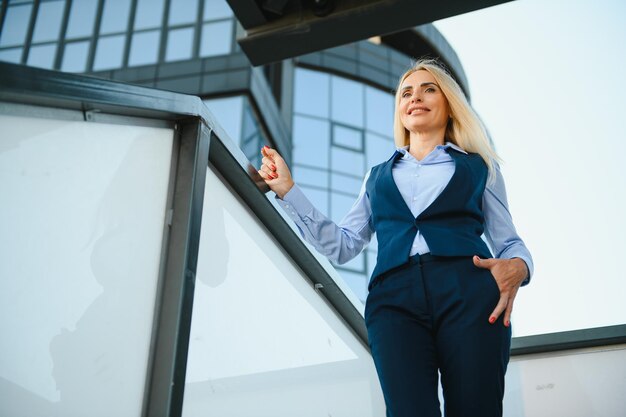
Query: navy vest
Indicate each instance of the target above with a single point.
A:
(451, 225)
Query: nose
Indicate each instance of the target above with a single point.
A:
(416, 97)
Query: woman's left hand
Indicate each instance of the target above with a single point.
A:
(509, 275)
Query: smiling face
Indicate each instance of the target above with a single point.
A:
(422, 105)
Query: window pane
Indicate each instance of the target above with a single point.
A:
(82, 18)
(348, 137)
(109, 52)
(15, 25)
(48, 21)
(311, 92)
(179, 44)
(347, 101)
(356, 264)
(11, 55)
(318, 198)
(379, 111)
(115, 16)
(378, 149)
(356, 282)
(75, 57)
(144, 49)
(42, 56)
(183, 11)
(228, 112)
(311, 141)
(149, 14)
(216, 9)
(216, 38)
(347, 184)
(348, 162)
(340, 205)
(310, 176)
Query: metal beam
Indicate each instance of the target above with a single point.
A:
(300, 30)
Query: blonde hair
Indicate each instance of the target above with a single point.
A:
(464, 128)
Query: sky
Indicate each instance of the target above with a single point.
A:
(546, 77)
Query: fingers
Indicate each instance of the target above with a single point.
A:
(484, 263)
(509, 308)
(500, 307)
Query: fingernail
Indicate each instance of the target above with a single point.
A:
(273, 167)
(507, 323)
(492, 319)
(273, 175)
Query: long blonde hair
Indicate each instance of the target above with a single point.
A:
(464, 128)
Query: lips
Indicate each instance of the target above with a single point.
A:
(420, 109)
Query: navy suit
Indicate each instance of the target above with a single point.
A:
(429, 313)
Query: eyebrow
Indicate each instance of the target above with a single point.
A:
(408, 87)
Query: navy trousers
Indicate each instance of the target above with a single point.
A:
(432, 315)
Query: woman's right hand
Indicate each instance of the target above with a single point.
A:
(275, 172)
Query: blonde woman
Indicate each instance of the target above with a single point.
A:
(439, 301)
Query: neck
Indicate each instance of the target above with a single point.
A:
(422, 143)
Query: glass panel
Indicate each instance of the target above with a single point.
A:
(378, 149)
(348, 137)
(48, 21)
(311, 92)
(75, 57)
(575, 383)
(179, 44)
(379, 111)
(15, 25)
(82, 237)
(149, 14)
(347, 101)
(82, 18)
(347, 184)
(216, 38)
(310, 176)
(229, 114)
(109, 52)
(144, 48)
(216, 9)
(183, 11)
(311, 141)
(348, 162)
(263, 342)
(42, 56)
(11, 55)
(115, 16)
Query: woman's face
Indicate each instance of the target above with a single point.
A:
(423, 107)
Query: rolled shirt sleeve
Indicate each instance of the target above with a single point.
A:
(499, 229)
(339, 242)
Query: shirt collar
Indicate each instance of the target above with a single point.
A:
(405, 154)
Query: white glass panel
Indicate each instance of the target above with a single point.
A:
(82, 224)
(11, 55)
(216, 38)
(348, 162)
(263, 341)
(311, 92)
(579, 383)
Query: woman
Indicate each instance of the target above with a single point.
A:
(438, 301)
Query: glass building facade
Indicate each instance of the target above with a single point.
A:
(329, 113)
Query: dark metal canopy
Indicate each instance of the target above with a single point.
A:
(280, 29)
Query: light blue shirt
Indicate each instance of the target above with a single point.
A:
(419, 183)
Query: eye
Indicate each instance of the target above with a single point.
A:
(406, 94)
(430, 90)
